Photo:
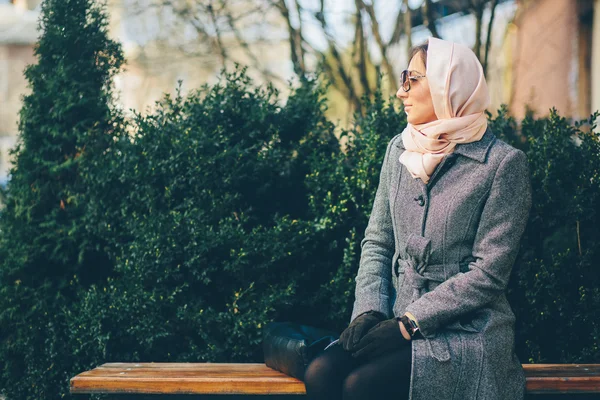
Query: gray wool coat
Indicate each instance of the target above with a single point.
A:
(444, 251)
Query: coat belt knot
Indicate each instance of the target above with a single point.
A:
(423, 277)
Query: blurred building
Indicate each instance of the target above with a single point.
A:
(18, 33)
(553, 48)
(545, 53)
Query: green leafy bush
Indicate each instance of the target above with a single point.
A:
(556, 293)
(342, 190)
(66, 123)
(219, 243)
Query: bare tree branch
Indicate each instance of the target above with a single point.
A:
(200, 29)
(218, 40)
(429, 19)
(221, 26)
(488, 40)
(310, 47)
(407, 28)
(218, 28)
(300, 38)
(260, 9)
(295, 39)
(477, 9)
(398, 28)
(361, 48)
(137, 9)
(382, 46)
(268, 75)
(351, 92)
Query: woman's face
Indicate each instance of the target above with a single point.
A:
(418, 103)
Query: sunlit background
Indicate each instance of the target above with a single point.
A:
(540, 53)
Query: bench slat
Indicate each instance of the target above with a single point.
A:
(562, 378)
(222, 378)
(190, 365)
(184, 378)
(183, 373)
(551, 370)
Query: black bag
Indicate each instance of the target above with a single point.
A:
(289, 347)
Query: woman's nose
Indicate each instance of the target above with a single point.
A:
(401, 94)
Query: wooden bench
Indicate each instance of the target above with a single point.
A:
(176, 379)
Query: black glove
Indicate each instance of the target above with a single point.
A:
(383, 338)
(359, 327)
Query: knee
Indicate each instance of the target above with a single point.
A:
(318, 371)
(356, 386)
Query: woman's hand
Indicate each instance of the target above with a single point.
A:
(384, 337)
(358, 328)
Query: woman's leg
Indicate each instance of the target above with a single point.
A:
(325, 375)
(336, 375)
(387, 377)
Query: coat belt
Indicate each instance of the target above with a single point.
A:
(420, 283)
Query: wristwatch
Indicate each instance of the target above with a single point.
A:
(411, 327)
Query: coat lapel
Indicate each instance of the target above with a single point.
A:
(477, 150)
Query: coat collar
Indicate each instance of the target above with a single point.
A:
(477, 150)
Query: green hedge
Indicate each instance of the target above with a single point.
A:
(47, 237)
(556, 289)
(177, 235)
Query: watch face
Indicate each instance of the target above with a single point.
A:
(408, 325)
(413, 324)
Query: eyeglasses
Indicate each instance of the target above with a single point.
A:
(406, 77)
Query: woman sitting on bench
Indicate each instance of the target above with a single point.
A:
(431, 320)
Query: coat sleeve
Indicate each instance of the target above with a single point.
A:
(373, 280)
(502, 223)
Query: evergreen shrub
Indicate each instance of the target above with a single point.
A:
(217, 239)
(555, 290)
(47, 245)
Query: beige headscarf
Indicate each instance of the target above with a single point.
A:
(460, 97)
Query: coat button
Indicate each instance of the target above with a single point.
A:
(420, 200)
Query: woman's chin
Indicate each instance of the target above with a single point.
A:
(412, 120)
(415, 120)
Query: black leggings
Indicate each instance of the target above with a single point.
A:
(336, 375)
